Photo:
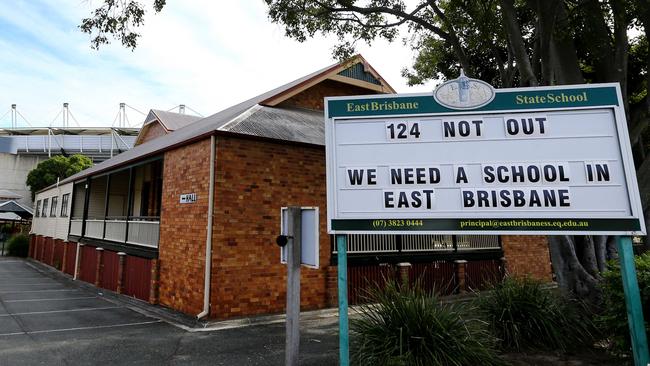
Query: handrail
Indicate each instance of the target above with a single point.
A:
(144, 218)
(120, 224)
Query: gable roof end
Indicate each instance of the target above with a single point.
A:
(347, 72)
(170, 121)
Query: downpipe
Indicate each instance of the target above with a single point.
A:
(208, 239)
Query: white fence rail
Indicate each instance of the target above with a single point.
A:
(477, 242)
(95, 228)
(144, 233)
(75, 227)
(370, 243)
(115, 230)
(425, 243)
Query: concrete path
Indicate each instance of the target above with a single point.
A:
(47, 319)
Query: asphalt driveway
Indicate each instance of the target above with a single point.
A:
(48, 319)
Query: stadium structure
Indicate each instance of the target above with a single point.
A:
(22, 146)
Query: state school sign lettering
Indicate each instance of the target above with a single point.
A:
(555, 160)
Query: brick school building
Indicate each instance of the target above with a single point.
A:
(188, 218)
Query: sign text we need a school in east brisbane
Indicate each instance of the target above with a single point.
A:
(551, 164)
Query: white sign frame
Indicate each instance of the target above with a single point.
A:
(310, 240)
(623, 141)
(188, 198)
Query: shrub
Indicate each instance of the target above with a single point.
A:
(404, 325)
(613, 320)
(522, 314)
(18, 245)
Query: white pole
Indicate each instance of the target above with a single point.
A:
(14, 122)
(65, 114)
(122, 121)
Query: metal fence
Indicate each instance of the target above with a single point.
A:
(88, 263)
(70, 258)
(137, 277)
(439, 277)
(481, 274)
(110, 269)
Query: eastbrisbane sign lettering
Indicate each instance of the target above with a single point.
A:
(380, 106)
(555, 160)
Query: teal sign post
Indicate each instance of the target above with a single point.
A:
(633, 302)
(473, 160)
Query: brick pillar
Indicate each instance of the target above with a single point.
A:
(65, 256)
(332, 286)
(404, 269)
(120, 271)
(80, 259)
(528, 255)
(100, 266)
(153, 291)
(460, 275)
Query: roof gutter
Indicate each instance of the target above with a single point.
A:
(208, 240)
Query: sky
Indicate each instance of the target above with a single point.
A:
(205, 54)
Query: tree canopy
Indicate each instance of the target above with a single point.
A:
(508, 43)
(118, 19)
(47, 172)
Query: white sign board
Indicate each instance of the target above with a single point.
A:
(533, 160)
(309, 236)
(188, 198)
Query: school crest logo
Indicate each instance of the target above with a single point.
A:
(464, 93)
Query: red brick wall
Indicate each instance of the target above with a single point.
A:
(183, 227)
(312, 98)
(527, 255)
(254, 180)
(151, 131)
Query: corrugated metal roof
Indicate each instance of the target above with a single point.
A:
(288, 124)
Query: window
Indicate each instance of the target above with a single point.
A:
(38, 208)
(64, 205)
(53, 209)
(44, 212)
